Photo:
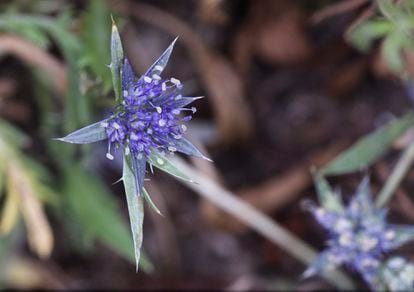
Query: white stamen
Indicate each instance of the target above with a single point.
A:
(125, 93)
(193, 109)
(156, 77)
(158, 68)
(164, 86)
(147, 79)
(345, 239)
(177, 137)
(104, 124)
(175, 81)
(116, 125)
(390, 234)
(320, 212)
(172, 149)
(184, 128)
(109, 156)
(176, 111)
(178, 97)
(367, 243)
(162, 122)
(133, 136)
(159, 109)
(160, 161)
(149, 131)
(368, 262)
(342, 224)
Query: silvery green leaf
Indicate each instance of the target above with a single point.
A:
(117, 55)
(135, 208)
(323, 262)
(363, 197)
(161, 62)
(184, 146)
(89, 134)
(401, 234)
(369, 148)
(182, 102)
(327, 196)
(150, 202)
(164, 164)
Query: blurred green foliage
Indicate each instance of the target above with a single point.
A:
(77, 196)
(395, 27)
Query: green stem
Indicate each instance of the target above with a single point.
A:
(257, 221)
(398, 173)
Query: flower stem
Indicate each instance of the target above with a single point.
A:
(257, 221)
(398, 173)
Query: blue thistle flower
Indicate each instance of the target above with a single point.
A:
(359, 235)
(149, 120)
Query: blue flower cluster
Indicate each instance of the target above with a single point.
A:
(149, 116)
(359, 236)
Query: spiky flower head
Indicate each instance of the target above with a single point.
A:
(359, 235)
(148, 122)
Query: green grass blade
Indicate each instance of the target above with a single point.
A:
(369, 148)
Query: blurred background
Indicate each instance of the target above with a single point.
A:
(288, 86)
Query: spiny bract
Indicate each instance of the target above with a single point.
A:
(359, 236)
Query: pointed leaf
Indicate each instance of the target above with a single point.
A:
(182, 102)
(89, 134)
(328, 199)
(186, 147)
(363, 36)
(363, 197)
(164, 164)
(322, 263)
(135, 208)
(117, 55)
(161, 62)
(392, 50)
(402, 235)
(369, 148)
(150, 202)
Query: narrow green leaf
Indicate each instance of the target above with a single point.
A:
(97, 211)
(389, 9)
(363, 36)
(166, 165)
(150, 202)
(369, 148)
(117, 55)
(185, 146)
(327, 197)
(89, 134)
(12, 135)
(96, 32)
(392, 50)
(135, 207)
